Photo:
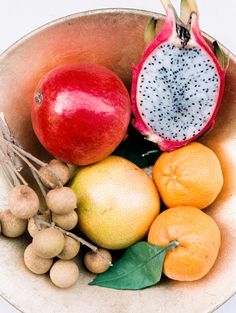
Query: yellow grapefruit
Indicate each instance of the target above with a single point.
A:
(117, 202)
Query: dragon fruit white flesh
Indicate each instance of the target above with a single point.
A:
(178, 85)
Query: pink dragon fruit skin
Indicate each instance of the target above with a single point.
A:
(178, 85)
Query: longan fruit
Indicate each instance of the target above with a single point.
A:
(61, 200)
(23, 201)
(72, 169)
(12, 226)
(61, 170)
(32, 227)
(48, 242)
(97, 262)
(35, 263)
(70, 250)
(64, 274)
(66, 221)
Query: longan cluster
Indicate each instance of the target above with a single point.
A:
(53, 251)
(53, 247)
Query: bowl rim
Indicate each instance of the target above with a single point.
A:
(101, 11)
(94, 12)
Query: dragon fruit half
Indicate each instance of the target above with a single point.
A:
(178, 85)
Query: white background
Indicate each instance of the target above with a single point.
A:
(18, 17)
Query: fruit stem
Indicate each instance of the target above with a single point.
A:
(173, 244)
(17, 150)
(6, 173)
(33, 169)
(13, 169)
(43, 191)
(7, 135)
(12, 174)
(79, 239)
(24, 155)
(13, 160)
(7, 169)
(149, 152)
(38, 181)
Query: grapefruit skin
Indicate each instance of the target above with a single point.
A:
(80, 112)
(117, 202)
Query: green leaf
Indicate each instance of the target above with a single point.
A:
(221, 57)
(140, 267)
(136, 148)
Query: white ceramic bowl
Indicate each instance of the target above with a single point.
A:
(113, 38)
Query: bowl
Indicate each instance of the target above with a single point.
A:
(113, 38)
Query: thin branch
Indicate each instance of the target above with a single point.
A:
(15, 158)
(43, 190)
(17, 147)
(24, 159)
(149, 152)
(5, 166)
(7, 135)
(21, 178)
(5, 170)
(41, 186)
(7, 175)
(16, 181)
(8, 170)
(18, 150)
(79, 239)
(22, 151)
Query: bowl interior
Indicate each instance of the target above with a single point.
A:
(113, 38)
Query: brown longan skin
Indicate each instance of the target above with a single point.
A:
(64, 274)
(70, 250)
(48, 243)
(11, 225)
(23, 201)
(66, 221)
(97, 262)
(35, 263)
(32, 227)
(61, 169)
(72, 169)
(61, 200)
